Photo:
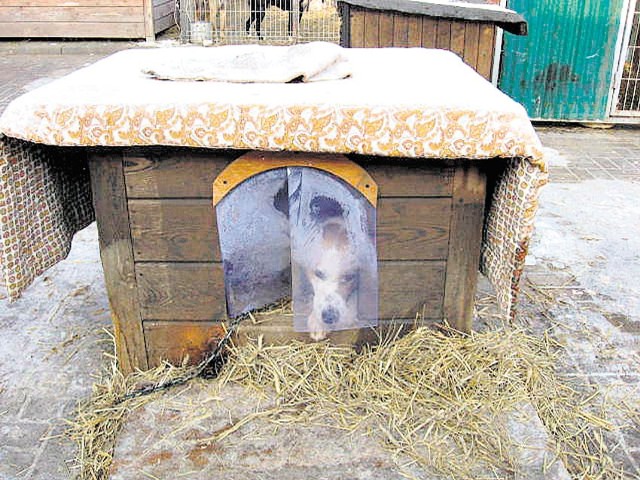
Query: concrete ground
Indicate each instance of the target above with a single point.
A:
(584, 263)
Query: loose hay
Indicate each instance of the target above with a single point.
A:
(434, 398)
(99, 419)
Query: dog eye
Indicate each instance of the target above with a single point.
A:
(320, 274)
(349, 278)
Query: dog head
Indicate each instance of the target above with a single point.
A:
(331, 268)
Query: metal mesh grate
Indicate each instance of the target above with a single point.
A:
(230, 22)
(628, 100)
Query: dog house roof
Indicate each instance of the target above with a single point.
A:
(470, 10)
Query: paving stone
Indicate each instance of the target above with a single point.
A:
(53, 461)
(164, 438)
(23, 434)
(16, 463)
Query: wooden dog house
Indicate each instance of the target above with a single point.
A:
(456, 163)
(155, 207)
(465, 28)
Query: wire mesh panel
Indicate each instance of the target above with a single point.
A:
(628, 99)
(274, 22)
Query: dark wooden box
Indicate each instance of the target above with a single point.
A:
(160, 252)
(465, 30)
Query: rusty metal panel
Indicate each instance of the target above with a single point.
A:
(563, 69)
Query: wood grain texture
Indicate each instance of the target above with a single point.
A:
(163, 23)
(174, 341)
(357, 17)
(463, 261)
(429, 32)
(174, 173)
(471, 44)
(344, 12)
(457, 38)
(161, 8)
(110, 203)
(70, 3)
(163, 15)
(174, 230)
(507, 19)
(485, 50)
(443, 37)
(278, 330)
(385, 37)
(127, 14)
(404, 177)
(400, 30)
(414, 28)
(72, 29)
(195, 292)
(407, 288)
(371, 29)
(149, 33)
(181, 291)
(179, 174)
(413, 228)
(171, 230)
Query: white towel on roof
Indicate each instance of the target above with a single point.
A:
(309, 62)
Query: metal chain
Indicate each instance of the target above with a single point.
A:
(213, 361)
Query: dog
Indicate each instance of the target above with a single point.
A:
(328, 269)
(258, 9)
(334, 278)
(218, 17)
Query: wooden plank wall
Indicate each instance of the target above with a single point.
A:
(177, 258)
(163, 15)
(474, 42)
(162, 263)
(82, 18)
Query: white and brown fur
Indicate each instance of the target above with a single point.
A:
(332, 270)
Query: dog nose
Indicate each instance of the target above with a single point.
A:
(330, 315)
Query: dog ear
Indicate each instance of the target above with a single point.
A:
(323, 208)
(281, 199)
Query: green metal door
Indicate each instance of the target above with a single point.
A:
(564, 68)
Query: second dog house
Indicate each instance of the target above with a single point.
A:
(449, 166)
(463, 27)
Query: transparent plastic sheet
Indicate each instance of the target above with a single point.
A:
(253, 226)
(333, 253)
(303, 233)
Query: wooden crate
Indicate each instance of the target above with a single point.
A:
(468, 32)
(125, 19)
(162, 263)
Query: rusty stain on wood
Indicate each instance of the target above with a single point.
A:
(174, 341)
